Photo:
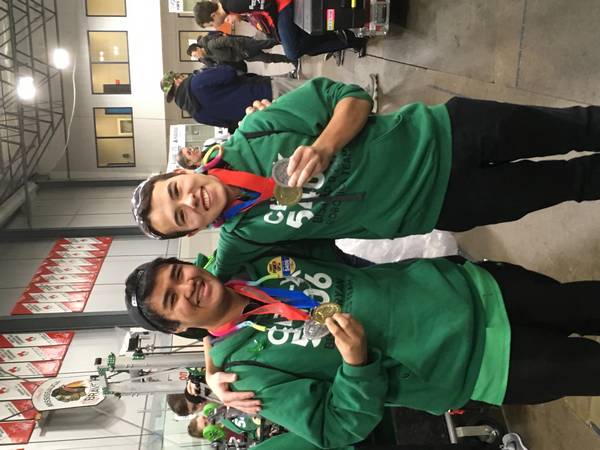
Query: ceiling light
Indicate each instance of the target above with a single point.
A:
(61, 58)
(25, 88)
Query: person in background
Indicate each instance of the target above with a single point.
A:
(224, 48)
(218, 96)
(279, 19)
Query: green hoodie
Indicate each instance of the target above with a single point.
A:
(437, 332)
(399, 163)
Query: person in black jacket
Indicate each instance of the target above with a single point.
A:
(223, 48)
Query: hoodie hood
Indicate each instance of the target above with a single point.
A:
(184, 98)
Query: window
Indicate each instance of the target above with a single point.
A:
(114, 137)
(114, 8)
(109, 60)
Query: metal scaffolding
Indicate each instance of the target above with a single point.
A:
(28, 31)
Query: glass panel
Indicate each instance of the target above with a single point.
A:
(110, 79)
(108, 46)
(113, 122)
(106, 8)
(115, 152)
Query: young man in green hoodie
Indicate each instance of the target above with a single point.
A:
(437, 334)
(450, 167)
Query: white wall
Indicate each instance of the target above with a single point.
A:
(143, 25)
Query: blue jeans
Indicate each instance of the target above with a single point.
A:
(297, 42)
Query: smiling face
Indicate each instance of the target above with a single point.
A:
(193, 155)
(191, 296)
(188, 202)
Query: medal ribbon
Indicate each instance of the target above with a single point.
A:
(289, 309)
(261, 188)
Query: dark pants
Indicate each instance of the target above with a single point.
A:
(254, 51)
(487, 186)
(297, 42)
(545, 363)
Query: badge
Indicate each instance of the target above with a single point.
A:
(282, 266)
(279, 172)
(287, 196)
(314, 330)
(323, 311)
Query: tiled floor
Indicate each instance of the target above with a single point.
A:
(526, 51)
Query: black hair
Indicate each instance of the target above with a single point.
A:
(203, 11)
(139, 285)
(144, 208)
(180, 406)
(192, 48)
(193, 429)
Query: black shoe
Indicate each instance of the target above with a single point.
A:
(337, 56)
(359, 45)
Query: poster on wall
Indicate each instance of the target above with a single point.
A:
(29, 369)
(61, 393)
(18, 389)
(17, 410)
(53, 297)
(27, 354)
(16, 432)
(175, 5)
(49, 287)
(74, 262)
(8, 340)
(48, 308)
(53, 278)
(64, 280)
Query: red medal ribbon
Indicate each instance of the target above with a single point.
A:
(246, 180)
(272, 306)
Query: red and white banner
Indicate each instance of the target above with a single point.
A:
(16, 432)
(86, 240)
(47, 287)
(77, 254)
(27, 354)
(53, 278)
(47, 308)
(54, 297)
(30, 369)
(74, 262)
(17, 410)
(9, 340)
(18, 389)
(63, 282)
(62, 269)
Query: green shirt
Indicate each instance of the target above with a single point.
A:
(399, 163)
(426, 327)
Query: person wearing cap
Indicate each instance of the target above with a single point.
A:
(501, 337)
(451, 167)
(218, 96)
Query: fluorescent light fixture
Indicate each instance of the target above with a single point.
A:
(116, 50)
(101, 56)
(25, 88)
(61, 58)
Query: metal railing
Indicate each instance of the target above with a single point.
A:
(27, 28)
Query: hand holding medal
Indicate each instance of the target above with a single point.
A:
(350, 338)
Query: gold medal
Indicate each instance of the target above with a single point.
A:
(324, 310)
(287, 196)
